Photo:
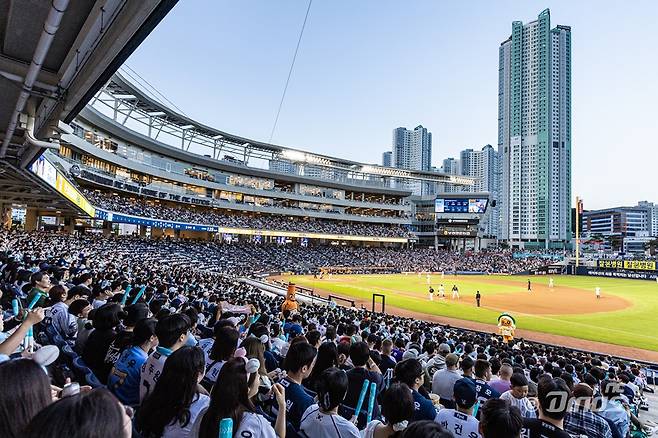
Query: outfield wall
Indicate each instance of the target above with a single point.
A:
(631, 275)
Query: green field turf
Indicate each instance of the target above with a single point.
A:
(634, 326)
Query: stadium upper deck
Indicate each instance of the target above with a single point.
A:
(127, 143)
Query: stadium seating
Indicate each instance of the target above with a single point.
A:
(191, 282)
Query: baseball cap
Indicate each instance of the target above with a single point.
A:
(464, 392)
(451, 360)
(444, 348)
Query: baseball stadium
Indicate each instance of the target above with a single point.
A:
(174, 279)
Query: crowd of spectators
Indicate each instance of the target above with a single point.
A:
(212, 216)
(121, 337)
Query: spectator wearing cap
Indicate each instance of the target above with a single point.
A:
(443, 381)
(410, 372)
(461, 420)
(518, 395)
(580, 420)
(503, 383)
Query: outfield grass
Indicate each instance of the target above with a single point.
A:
(634, 326)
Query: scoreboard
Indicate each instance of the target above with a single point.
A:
(460, 205)
(638, 265)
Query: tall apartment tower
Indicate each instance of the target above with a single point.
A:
(483, 165)
(534, 134)
(450, 166)
(412, 150)
(387, 159)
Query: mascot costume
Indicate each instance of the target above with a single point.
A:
(506, 327)
(290, 303)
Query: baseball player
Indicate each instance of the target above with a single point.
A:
(597, 291)
(442, 292)
(431, 293)
(455, 292)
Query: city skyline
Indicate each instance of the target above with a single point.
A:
(346, 83)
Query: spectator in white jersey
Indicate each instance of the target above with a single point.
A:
(59, 317)
(460, 421)
(231, 397)
(397, 410)
(223, 348)
(172, 333)
(518, 395)
(171, 409)
(321, 420)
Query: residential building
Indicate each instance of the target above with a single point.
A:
(387, 159)
(483, 165)
(534, 134)
(412, 149)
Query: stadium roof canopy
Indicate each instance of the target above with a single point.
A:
(54, 56)
(129, 105)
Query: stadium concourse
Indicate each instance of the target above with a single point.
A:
(163, 338)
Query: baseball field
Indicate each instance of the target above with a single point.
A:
(623, 321)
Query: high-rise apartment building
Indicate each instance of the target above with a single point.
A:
(412, 149)
(534, 133)
(387, 159)
(450, 166)
(483, 165)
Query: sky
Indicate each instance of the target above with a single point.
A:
(365, 67)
